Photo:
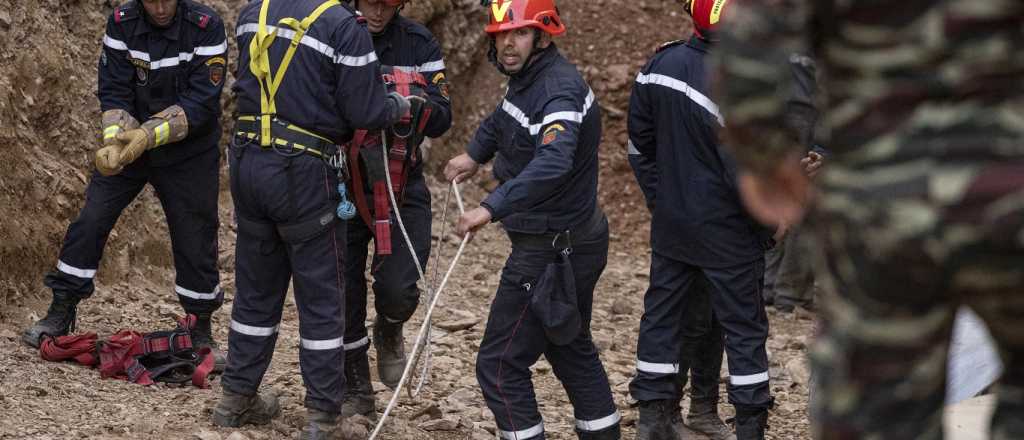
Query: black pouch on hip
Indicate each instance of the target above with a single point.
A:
(553, 299)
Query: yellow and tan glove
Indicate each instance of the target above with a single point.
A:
(108, 158)
(170, 125)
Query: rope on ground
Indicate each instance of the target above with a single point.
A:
(434, 295)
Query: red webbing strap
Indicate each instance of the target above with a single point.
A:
(358, 187)
(424, 118)
(396, 166)
(81, 348)
(203, 370)
(382, 218)
(117, 358)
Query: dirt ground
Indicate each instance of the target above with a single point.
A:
(46, 114)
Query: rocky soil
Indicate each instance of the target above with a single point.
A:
(48, 131)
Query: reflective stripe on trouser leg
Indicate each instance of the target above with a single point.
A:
(530, 433)
(739, 306)
(188, 192)
(599, 424)
(659, 342)
(105, 198)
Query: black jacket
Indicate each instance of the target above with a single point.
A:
(545, 134)
(144, 69)
(688, 180)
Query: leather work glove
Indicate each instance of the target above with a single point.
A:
(135, 143)
(170, 125)
(108, 158)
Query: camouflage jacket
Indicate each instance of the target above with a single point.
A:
(940, 78)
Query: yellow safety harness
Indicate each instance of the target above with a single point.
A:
(259, 64)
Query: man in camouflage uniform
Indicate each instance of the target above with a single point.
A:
(921, 208)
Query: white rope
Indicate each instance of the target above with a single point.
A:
(433, 295)
(428, 353)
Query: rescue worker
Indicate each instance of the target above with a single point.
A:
(307, 78)
(545, 134)
(919, 209)
(408, 46)
(702, 342)
(699, 228)
(162, 63)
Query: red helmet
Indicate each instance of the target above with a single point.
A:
(506, 15)
(706, 13)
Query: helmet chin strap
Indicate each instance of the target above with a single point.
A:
(492, 55)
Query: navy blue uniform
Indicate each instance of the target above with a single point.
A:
(699, 228)
(545, 135)
(143, 70)
(407, 46)
(331, 88)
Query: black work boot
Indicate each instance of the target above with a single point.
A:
(660, 420)
(234, 410)
(703, 418)
(59, 319)
(612, 433)
(202, 336)
(358, 397)
(751, 422)
(390, 345)
(321, 426)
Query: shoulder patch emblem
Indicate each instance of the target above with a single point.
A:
(216, 66)
(551, 133)
(441, 82)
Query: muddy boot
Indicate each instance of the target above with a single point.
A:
(390, 345)
(59, 319)
(703, 418)
(358, 397)
(234, 410)
(660, 420)
(202, 336)
(321, 426)
(751, 422)
(613, 433)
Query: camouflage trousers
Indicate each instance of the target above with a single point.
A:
(906, 245)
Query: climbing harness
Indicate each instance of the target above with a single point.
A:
(259, 61)
(271, 131)
(142, 358)
(396, 159)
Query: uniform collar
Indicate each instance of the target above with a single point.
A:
(171, 32)
(699, 43)
(539, 63)
(382, 41)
